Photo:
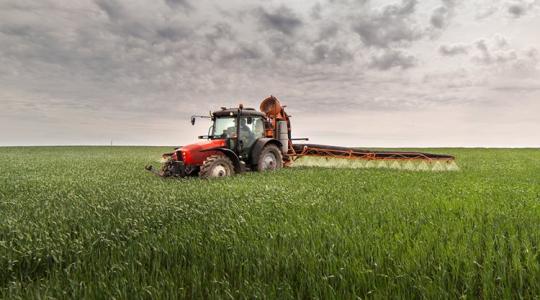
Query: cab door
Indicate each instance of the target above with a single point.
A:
(251, 129)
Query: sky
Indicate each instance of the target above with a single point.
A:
(438, 73)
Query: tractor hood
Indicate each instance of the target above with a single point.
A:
(195, 154)
(203, 145)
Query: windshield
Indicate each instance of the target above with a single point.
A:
(250, 128)
(225, 127)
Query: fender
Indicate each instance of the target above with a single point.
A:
(259, 145)
(232, 156)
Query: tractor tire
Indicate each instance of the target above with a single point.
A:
(270, 159)
(215, 166)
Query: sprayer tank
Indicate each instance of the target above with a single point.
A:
(283, 136)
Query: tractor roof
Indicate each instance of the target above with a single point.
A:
(247, 112)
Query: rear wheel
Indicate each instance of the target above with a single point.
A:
(270, 159)
(216, 166)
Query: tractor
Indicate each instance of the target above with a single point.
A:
(240, 139)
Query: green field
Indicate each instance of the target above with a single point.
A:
(90, 222)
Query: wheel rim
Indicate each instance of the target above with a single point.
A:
(219, 171)
(269, 161)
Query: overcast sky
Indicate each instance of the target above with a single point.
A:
(357, 72)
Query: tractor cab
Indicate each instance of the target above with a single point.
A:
(241, 128)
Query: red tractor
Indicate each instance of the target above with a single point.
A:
(239, 139)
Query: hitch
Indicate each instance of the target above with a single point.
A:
(169, 168)
(153, 170)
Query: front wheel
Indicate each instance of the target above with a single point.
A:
(270, 159)
(216, 166)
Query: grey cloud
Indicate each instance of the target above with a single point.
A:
(389, 27)
(497, 55)
(333, 55)
(17, 30)
(486, 12)
(220, 31)
(123, 23)
(517, 10)
(179, 3)
(242, 53)
(153, 26)
(392, 59)
(172, 33)
(286, 49)
(328, 31)
(520, 89)
(496, 52)
(452, 50)
(316, 11)
(113, 9)
(441, 16)
(116, 60)
(282, 19)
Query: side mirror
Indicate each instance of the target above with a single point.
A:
(192, 120)
(249, 120)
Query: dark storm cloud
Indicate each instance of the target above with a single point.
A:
(389, 59)
(452, 50)
(391, 26)
(282, 19)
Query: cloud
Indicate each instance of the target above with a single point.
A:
(452, 50)
(179, 3)
(331, 54)
(125, 64)
(496, 53)
(486, 12)
(282, 19)
(328, 31)
(242, 53)
(391, 26)
(441, 16)
(220, 31)
(517, 10)
(316, 11)
(392, 59)
(114, 9)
